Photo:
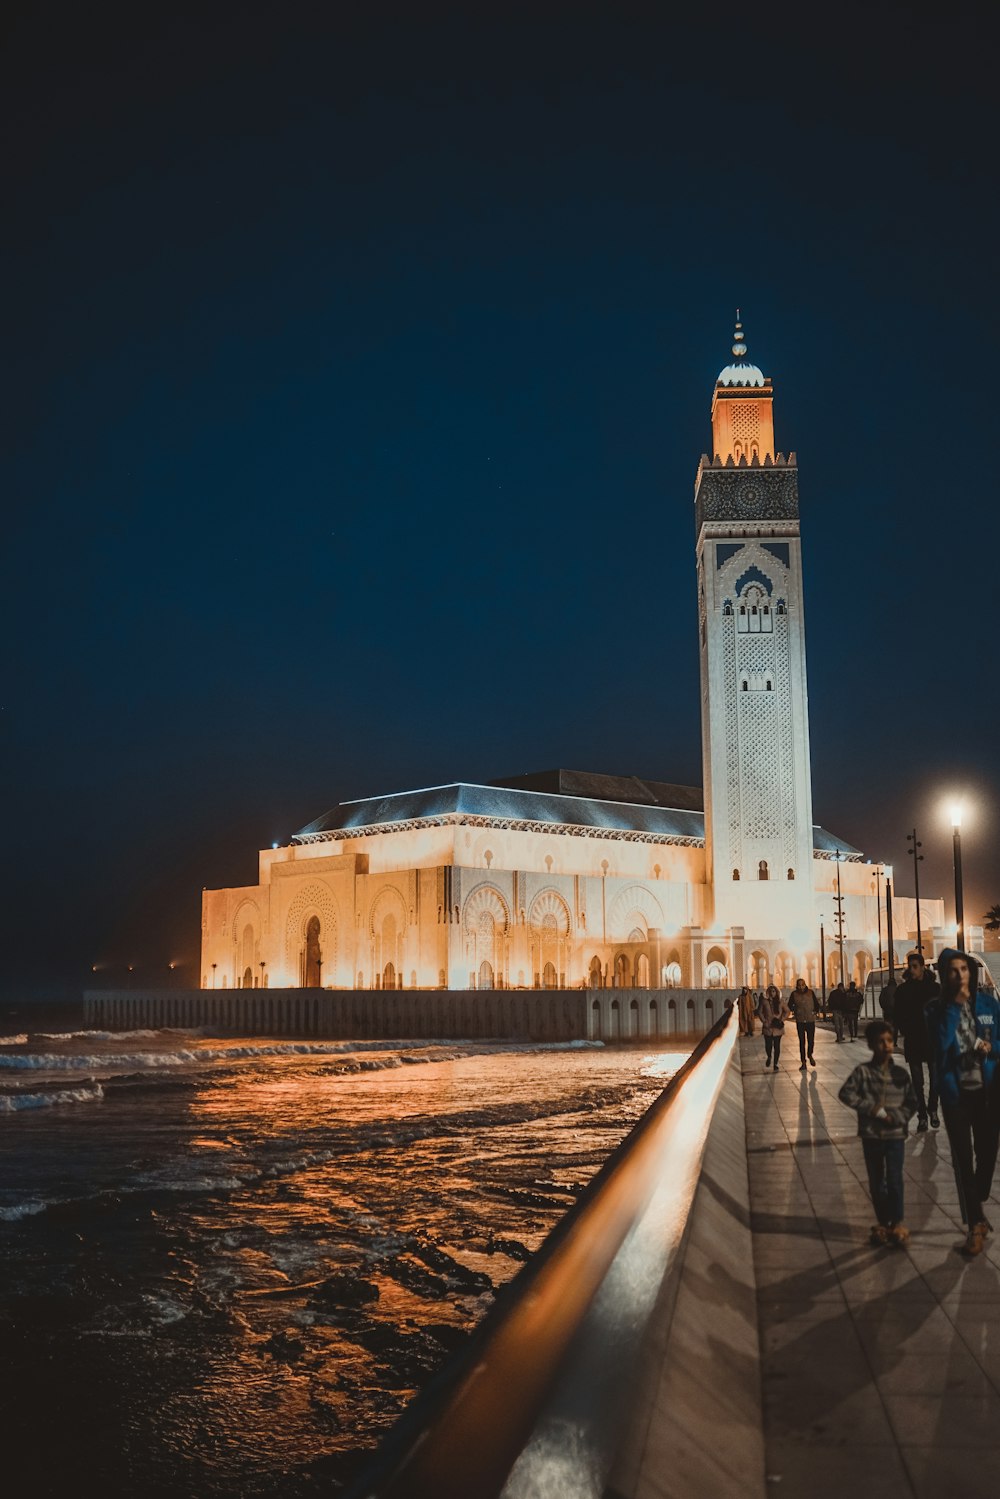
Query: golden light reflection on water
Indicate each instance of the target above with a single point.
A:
(320, 1239)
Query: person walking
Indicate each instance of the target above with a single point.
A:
(964, 1028)
(881, 1094)
(853, 1000)
(838, 1001)
(746, 1011)
(773, 1014)
(803, 1006)
(912, 997)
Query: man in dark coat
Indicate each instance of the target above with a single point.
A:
(912, 998)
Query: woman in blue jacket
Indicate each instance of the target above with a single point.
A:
(964, 1029)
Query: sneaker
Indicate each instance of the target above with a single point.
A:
(921, 1124)
(935, 1122)
(898, 1235)
(776, 1067)
(985, 1225)
(878, 1235)
(802, 1068)
(812, 1061)
(975, 1243)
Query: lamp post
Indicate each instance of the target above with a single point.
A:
(840, 920)
(912, 839)
(878, 914)
(822, 961)
(214, 967)
(887, 870)
(956, 826)
(262, 962)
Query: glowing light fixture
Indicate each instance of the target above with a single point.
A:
(956, 814)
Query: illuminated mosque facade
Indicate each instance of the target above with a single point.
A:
(565, 879)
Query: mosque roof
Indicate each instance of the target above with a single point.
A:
(605, 817)
(740, 374)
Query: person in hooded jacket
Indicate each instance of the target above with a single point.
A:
(964, 1030)
(913, 996)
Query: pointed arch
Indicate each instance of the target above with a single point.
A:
(316, 900)
(635, 901)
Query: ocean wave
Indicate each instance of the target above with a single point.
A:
(13, 1212)
(20, 1040)
(142, 1035)
(13, 1103)
(440, 1050)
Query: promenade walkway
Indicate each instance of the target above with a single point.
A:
(881, 1367)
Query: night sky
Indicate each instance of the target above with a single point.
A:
(357, 368)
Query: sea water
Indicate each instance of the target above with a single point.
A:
(227, 1265)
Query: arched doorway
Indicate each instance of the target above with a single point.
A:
(389, 976)
(485, 975)
(633, 1018)
(716, 969)
(595, 972)
(622, 971)
(642, 971)
(549, 976)
(247, 979)
(757, 970)
(654, 1018)
(312, 957)
(784, 970)
(672, 975)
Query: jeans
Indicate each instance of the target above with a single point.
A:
(807, 1037)
(884, 1160)
(838, 1024)
(970, 1123)
(852, 1021)
(916, 1066)
(772, 1046)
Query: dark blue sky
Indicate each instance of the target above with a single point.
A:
(357, 376)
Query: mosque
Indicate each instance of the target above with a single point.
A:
(569, 879)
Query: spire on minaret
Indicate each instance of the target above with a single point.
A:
(742, 423)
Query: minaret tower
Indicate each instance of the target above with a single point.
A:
(754, 714)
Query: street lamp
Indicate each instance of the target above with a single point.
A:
(917, 861)
(839, 899)
(822, 960)
(214, 967)
(887, 871)
(262, 962)
(878, 915)
(956, 825)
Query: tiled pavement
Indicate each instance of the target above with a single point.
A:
(881, 1367)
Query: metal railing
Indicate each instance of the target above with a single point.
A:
(536, 1401)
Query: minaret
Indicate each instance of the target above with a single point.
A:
(754, 714)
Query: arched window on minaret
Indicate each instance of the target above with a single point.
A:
(762, 873)
(727, 607)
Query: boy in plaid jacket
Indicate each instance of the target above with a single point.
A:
(881, 1093)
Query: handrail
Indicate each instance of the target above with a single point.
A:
(484, 1414)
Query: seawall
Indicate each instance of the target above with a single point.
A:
(455, 1014)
